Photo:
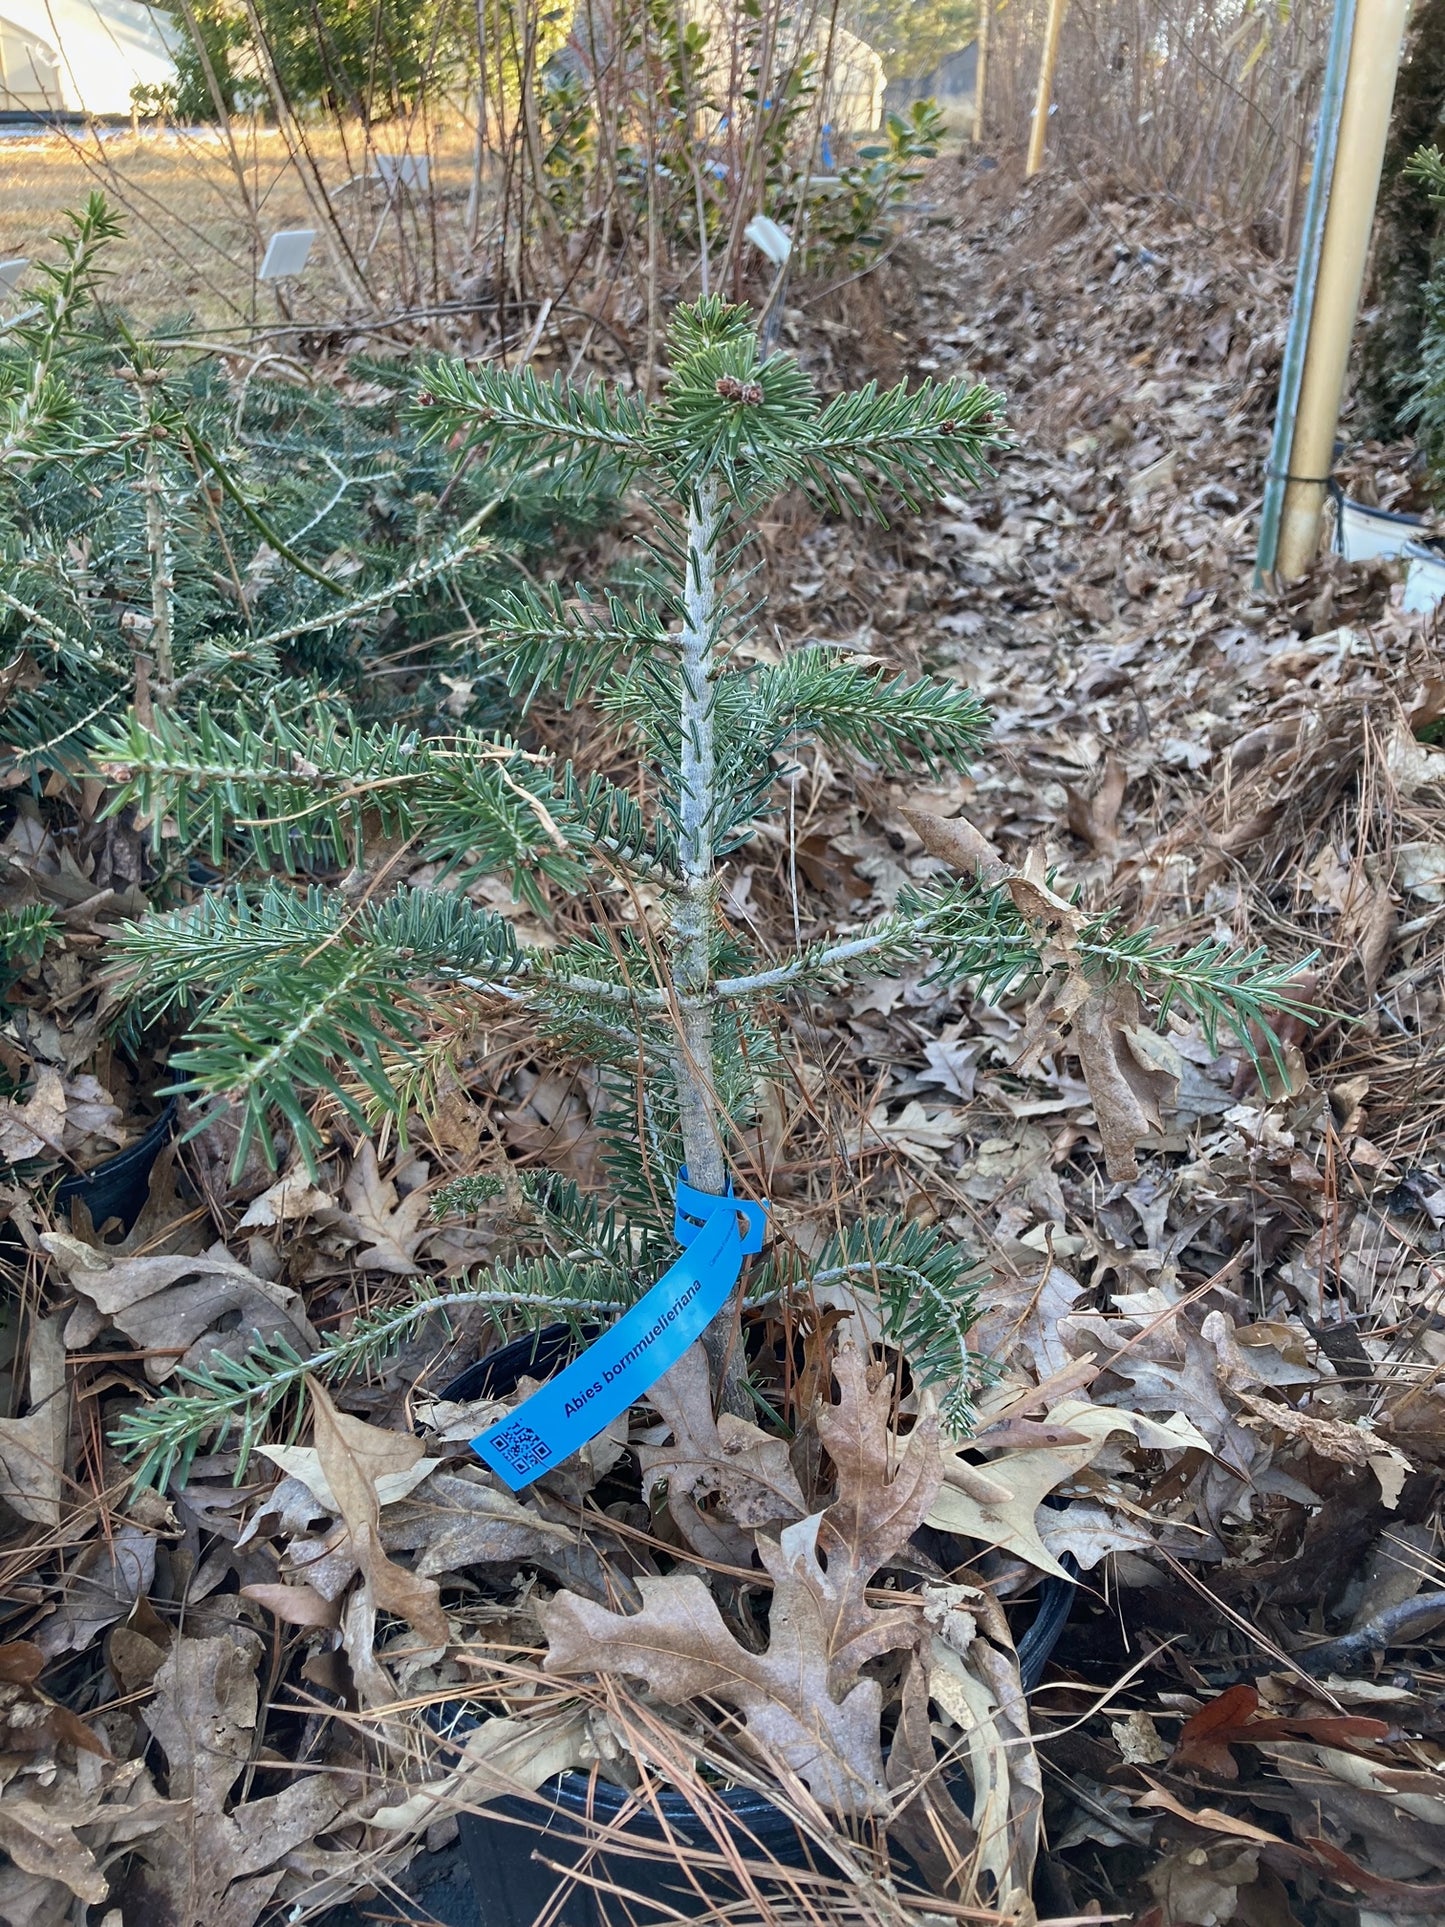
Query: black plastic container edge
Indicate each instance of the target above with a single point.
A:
(118, 1188)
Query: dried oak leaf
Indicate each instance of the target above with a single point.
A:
(981, 1694)
(39, 1835)
(31, 1128)
(211, 1865)
(806, 1706)
(453, 1520)
(1204, 1883)
(30, 1721)
(498, 1758)
(997, 1505)
(166, 1222)
(391, 1229)
(102, 1583)
(1408, 1896)
(1192, 1389)
(1399, 1815)
(32, 1899)
(1130, 1072)
(956, 841)
(745, 1474)
(303, 1462)
(1095, 820)
(292, 1196)
(449, 1519)
(298, 1605)
(1001, 1504)
(1231, 1719)
(1329, 1438)
(929, 1824)
(353, 1458)
(1204, 1738)
(1127, 1075)
(73, 1115)
(463, 1519)
(168, 1305)
(33, 1448)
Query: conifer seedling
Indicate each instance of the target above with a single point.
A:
(355, 994)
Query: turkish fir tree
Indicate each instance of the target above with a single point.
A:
(357, 995)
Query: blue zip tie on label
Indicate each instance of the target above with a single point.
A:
(623, 1364)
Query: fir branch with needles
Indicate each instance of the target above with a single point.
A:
(569, 650)
(35, 399)
(233, 1400)
(926, 1290)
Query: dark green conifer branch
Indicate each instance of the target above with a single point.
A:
(522, 418)
(36, 403)
(569, 650)
(232, 1401)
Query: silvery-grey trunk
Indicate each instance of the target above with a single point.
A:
(692, 920)
(162, 581)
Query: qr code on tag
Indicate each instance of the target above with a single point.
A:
(521, 1447)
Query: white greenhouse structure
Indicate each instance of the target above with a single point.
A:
(81, 56)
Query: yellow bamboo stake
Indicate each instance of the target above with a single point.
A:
(1039, 134)
(1375, 49)
(980, 72)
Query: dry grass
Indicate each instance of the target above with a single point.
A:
(198, 214)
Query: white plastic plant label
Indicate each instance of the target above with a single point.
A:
(286, 253)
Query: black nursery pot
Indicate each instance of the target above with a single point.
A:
(507, 1845)
(514, 1848)
(518, 1851)
(119, 1187)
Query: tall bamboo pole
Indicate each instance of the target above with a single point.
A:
(1039, 134)
(1364, 125)
(980, 72)
(1321, 162)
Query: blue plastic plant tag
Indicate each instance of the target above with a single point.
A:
(619, 1368)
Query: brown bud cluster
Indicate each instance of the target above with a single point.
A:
(748, 392)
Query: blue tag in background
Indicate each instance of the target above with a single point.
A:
(623, 1364)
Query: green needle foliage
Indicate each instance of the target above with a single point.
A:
(1424, 389)
(295, 993)
(235, 1399)
(24, 933)
(175, 533)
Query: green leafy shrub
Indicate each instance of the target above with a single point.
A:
(371, 61)
(849, 222)
(669, 145)
(1424, 405)
(1409, 242)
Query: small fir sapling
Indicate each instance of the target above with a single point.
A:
(360, 994)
